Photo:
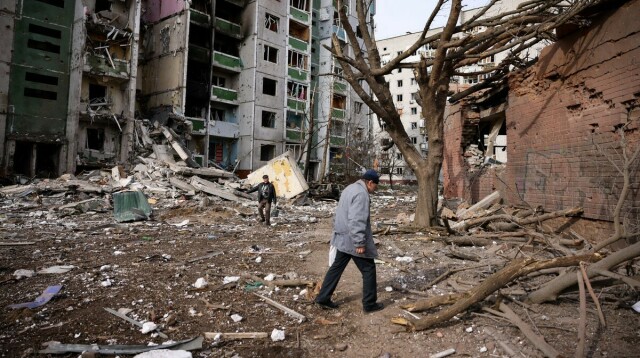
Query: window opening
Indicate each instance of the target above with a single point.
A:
(269, 86)
(268, 119)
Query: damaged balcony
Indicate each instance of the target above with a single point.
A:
(339, 86)
(225, 95)
(294, 132)
(226, 61)
(228, 28)
(106, 66)
(299, 36)
(199, 18)
(299, 10)
(223, 123)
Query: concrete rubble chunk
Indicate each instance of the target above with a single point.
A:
(284, 173)
(213, 189)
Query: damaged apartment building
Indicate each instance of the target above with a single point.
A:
(235, 79)
(69, 79)
(571, 124)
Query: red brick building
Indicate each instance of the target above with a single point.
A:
(563, 120)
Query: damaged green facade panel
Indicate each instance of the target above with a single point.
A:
(39, 80)
(130, 206)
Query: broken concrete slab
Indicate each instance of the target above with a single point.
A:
(285, 175)
(206, 172)
(181, 184)
(179, 147)
(213, 189)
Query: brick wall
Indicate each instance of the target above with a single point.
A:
(562, 117)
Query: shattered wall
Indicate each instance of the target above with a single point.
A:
(164, 68)
(563, 115)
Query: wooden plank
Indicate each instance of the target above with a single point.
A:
(287, 310)
(234, 335)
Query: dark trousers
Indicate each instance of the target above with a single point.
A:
(367, 268)
(264, 208)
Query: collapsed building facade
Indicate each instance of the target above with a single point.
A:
(237, 80)
(569, 121)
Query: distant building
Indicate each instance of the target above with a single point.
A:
(404, 90)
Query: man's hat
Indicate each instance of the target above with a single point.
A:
(372, 175)
(265, 176)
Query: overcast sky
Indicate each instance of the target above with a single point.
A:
(396, 17)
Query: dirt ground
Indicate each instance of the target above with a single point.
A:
(150, 267)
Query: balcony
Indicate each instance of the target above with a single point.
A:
(298, 44)
(199, 53)
(299, 15)
(98, 64)
(199, 17)
(339, 87)
(226, 95)
(224, 129)
(198, 125)
(337, 113)
(340, 33)
(227, 27)
(298, 74)
(294, 135)
(335, 140)
(296, 105)
(226, 61)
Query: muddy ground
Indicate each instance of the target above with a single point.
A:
(150, 267)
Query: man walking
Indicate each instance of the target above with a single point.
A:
(353, 240)
(266, 195)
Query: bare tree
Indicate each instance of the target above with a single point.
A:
(456, 46)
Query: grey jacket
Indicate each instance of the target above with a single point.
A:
(352, 225)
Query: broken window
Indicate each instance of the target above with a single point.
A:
(271, 22)
(297, 60)
(357, 107)
(267, 152)
(398, 171)
(270, 54)
(338, 128)
(97, 91)
(339, 102)
(300, 4)
(294, 149)
(268, 119)
(414, 110)
(45, 31)
(218, 81)
(269, 86)
(102, 5)
(217, 114)
(414, 140)
(296, 90)
(43, 46)
(338, 70)
(294, 121)
(299, 31)
(95, 139)
(414, 125)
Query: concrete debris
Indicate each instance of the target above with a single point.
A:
(277, 335)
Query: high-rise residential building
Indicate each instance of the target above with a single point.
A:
(404, 90)
(241, 81)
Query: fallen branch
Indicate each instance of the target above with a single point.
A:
(498, 280)
(465, 225)
(537, 340)
(628, 280)
(582, 324)
(592, 294)
(552, 289)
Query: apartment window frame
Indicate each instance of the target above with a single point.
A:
(414, 110)
(399, 98)
(218, 81)
(296, 90)
(271, 22)
(414, 125)
(400, 83)
(270, 54)
(299, 60)
(270, 85)
(268, 119)
(267, 152)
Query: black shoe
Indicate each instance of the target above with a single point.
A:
(375, 307)
(327, 305)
